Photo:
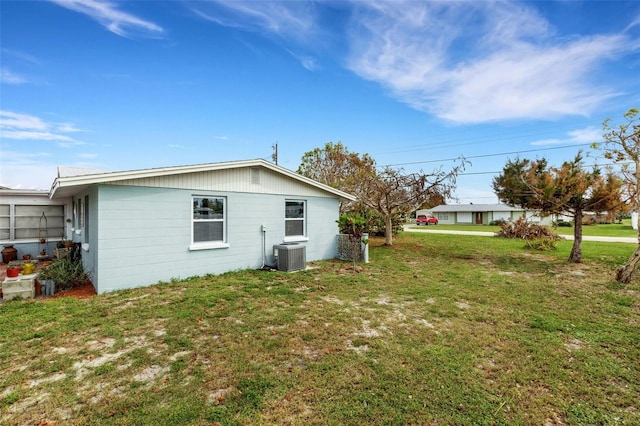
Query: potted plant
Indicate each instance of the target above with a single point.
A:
(13, 271)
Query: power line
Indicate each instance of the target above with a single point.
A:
(478, 139)
(498, 172)
(481, 139)
(485, 155)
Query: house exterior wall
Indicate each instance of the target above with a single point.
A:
(10, 198)
(464, 217)
(446, 218)
(143, 234)
(502, 216)
(87, 232)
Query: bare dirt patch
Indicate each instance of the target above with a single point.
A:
(83, 291)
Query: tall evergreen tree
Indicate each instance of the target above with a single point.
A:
(568, 189)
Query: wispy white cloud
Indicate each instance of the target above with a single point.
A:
(464, 62)
(19, 126)
(114, 20)
(30, 134)
(292, 19)
(307, 61)
(21, 56)
(9, 77)
(67, 128)
(634, 23)
(87, 156)
(580, 136)
(507, 64)
(13, 120)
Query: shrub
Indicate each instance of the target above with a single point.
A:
(497, 222)
(543, 243)
(65, 273)
(375, 223)
(525, 230)
(354, 226)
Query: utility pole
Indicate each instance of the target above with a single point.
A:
(274, 156)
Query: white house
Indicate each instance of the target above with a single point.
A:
(483, 214)
(140, 227)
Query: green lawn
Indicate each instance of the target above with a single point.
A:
(610, 230)
(435, 330)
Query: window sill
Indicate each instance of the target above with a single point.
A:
(296, 239)
(208, 246)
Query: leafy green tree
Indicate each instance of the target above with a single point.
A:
(336, 166)
(622, 146)
(568, 189)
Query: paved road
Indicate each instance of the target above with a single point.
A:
(413, 228)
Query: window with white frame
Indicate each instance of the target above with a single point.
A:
(294, 218)
(209, 220)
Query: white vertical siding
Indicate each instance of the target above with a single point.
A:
(231, 180)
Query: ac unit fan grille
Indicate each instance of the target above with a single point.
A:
(291, 257)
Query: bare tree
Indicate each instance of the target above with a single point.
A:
(392, 193)
(622, 146)
(388, 193)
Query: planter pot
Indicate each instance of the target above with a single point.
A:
(13, 272)
(9, 253)
(26, 257)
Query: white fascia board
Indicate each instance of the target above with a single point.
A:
(84, 180)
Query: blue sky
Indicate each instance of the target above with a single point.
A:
(123, 85)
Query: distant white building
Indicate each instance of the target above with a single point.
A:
(482, 214)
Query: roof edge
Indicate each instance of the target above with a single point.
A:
(106, 177)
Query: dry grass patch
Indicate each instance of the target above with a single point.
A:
(429, 332)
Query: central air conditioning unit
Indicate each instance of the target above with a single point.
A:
(290, 257)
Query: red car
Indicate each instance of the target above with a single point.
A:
(426, 219)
